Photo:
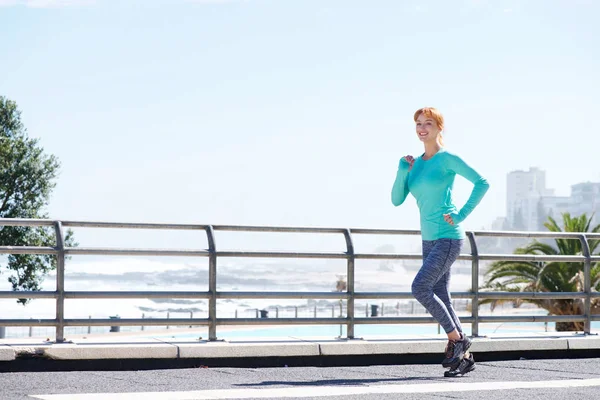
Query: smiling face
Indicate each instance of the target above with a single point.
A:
(427, 128)
(429, 124)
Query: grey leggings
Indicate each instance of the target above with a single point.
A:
(431, 286)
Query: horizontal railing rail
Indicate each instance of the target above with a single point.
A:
(61, 251)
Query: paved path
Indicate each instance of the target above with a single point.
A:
(524, 379)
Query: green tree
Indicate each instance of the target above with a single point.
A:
(27, 178)
(555, 276)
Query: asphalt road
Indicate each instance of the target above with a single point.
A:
(525, 379)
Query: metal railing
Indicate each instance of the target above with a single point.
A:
(61, 251)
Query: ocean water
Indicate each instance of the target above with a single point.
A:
(142, 274)
(365, 331)
(138, 274)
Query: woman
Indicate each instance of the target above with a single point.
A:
(430, 178)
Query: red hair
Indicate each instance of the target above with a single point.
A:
(434, 114)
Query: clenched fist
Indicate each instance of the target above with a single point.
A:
(410, 160)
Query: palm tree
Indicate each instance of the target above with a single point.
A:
(555, 276)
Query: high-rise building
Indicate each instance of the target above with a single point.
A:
(585, 198)
(524, 189)
(530, 202)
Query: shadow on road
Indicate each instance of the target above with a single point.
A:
(338, 382)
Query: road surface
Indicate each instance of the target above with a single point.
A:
(524, 379)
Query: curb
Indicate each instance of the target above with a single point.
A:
(279, 353)
(7, 353)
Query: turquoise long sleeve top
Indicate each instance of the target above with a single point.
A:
(431, 183)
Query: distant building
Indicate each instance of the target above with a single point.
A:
(524, 190)
(585, 198)
(529, 202)
(554, 206)
(499, 224)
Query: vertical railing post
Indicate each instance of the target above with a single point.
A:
(587, 284)
(350, 284)
(474, 284)
(60, 282)
(212, 284)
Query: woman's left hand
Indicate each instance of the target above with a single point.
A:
(448, 219)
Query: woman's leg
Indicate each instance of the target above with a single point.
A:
(442, 290)
(438, 258)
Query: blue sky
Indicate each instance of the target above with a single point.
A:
(289, 112)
